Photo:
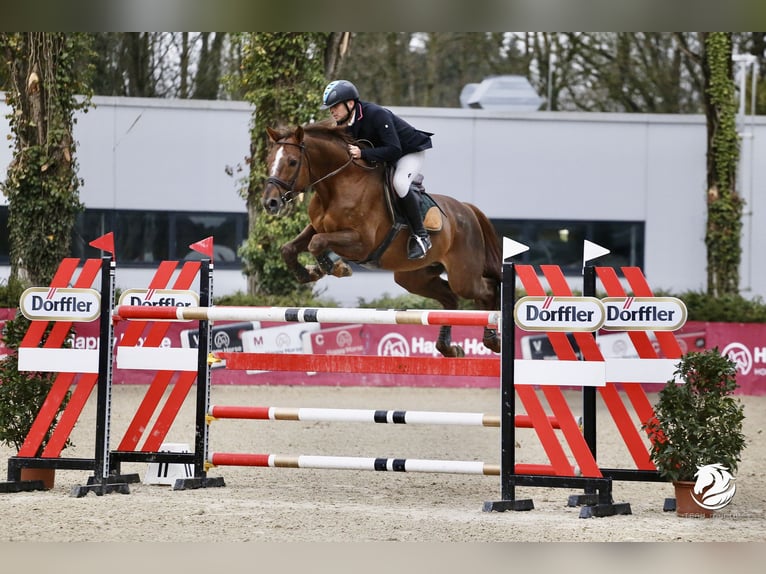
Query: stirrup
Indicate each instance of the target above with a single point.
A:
(418, 247)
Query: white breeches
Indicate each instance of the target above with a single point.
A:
(406, 168)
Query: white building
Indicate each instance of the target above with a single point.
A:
(634, 183)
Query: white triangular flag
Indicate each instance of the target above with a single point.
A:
(592, 251)
(511, 248)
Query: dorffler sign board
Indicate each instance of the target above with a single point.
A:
(644, 313)
(573, 314)
(559, 314)
(159, 298)
(60, 304)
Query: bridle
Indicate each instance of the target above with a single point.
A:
(289, 187)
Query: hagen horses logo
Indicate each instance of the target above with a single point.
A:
(741, 355)
(393, 345)
(714, 488)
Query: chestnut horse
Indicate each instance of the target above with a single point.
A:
(350, 217)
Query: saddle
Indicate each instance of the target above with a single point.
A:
(429, 209)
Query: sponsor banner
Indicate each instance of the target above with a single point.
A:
(743, 342)
(343, 340)
(159, 298)
(644, 313)
(613, 345)
(282, 338)
(559, 313)
(223, 337)
(60, 304)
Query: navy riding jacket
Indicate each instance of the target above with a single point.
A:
(390, 135)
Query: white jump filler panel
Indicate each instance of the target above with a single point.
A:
(58, 360)
(157, 358)
(574, 373)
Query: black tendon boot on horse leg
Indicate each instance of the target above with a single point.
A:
(420, 242)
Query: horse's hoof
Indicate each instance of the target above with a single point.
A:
(493, 344)
(342, 269)
(452, 351)
(303, 275)
(491, 340)
(314, 273)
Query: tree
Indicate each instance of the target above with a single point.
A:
(724, 222)
(426, 69)
(160, 64)
(46, 88)
(283, 75)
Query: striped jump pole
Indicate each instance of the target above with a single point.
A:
(365, 416)
(310, 315)
(371, 463)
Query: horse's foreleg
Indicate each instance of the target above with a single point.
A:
(292, 249)
(444, 343)
(326, 246)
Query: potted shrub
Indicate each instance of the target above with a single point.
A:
(696, 433)
(21, 396)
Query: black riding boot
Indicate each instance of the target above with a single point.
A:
(420, 242)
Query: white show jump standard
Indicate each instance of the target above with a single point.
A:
(311, 315)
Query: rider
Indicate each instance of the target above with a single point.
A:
(394, 141)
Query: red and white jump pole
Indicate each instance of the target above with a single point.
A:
(371, 463)
(365, 416)
(310, 315)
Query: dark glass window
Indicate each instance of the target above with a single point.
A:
(561, 242)
(145, 238)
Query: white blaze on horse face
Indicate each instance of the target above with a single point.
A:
(277, 161)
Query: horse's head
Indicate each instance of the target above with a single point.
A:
(285, 166)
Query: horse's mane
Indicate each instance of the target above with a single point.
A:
(325, 129)
(328, 129)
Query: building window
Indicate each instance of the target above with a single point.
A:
(561, 242)
(145, 238)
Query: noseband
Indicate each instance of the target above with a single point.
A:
(289, 187)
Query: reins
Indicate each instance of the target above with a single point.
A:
(289, 187)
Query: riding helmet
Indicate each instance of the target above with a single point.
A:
(338, 91)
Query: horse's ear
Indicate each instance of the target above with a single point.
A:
(299, 134)
(273, 134)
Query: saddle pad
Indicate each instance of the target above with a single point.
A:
(433, 219)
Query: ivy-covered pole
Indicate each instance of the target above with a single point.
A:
(47, 85)
(724, 204)
(282, 74)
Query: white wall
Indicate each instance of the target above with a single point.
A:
(138, 153)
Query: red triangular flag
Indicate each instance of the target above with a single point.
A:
(205, 247)
(105, 243)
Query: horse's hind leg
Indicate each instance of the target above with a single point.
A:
(491, 339)
(444, 343)
(427, 282)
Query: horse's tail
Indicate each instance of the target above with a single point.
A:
(493, 255)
